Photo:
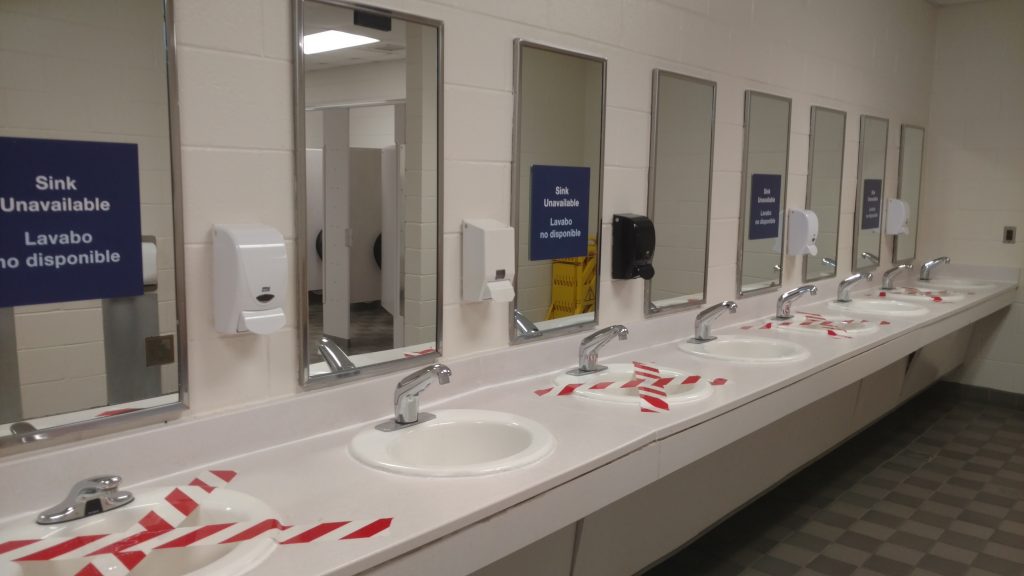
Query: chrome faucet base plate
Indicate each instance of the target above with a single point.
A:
(701, 341)
(578, 372)
(392, 425)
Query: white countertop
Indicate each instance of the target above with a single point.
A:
(314, 479)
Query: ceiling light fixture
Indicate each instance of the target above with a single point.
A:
(333, 40)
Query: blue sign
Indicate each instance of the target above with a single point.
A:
(559, 211)
(765, 198)
(871, 211)
(69, 221)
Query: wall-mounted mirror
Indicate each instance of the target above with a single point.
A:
(679, 188)
(368, 148)
(556, 189)
(867, 241)
(765, 167)
(824, 188)
(909, 190)
(91, 286)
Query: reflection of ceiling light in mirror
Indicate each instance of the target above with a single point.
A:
(332, 40)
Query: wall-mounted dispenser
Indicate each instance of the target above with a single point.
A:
(632, 247)
(250, 273)
(488, 261)
(897, 217)
(803, 233)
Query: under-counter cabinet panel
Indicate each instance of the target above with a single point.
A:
(549, 556)
(638, 530)
(879, 393)
(936, 360)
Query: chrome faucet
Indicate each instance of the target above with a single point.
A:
(926, 268)
(591, 344)
(407, 396)
(782, 307)
(892, 273)
(869, 257)
(524, 327)
(336, 359)
(92, 496)
(844, 287)
(702, 325)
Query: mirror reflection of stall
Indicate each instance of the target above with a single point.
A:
(909, 190)
(368, 134)
(91, 289)
(824, 188)
(867, 241)
(556, 190)
(679, 188)
(765, 168)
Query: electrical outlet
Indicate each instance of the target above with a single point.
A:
(1009, 234)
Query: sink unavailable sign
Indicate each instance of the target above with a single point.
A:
(69, 221)
(559, 211)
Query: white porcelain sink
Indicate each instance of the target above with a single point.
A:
(922, 294)
(617, 374)
(456, 443)
(223, 505)
(953, 283)
(747, 349)
(823, 324)
(879, 307)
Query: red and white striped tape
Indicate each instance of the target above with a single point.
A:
(135, 546)
(648, 380)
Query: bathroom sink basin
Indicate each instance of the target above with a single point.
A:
(220, 506)
(953, 283)
(879, 307)
(747, 349)
(618, 374)
(455, 443)
(823, 324)
(921, 294)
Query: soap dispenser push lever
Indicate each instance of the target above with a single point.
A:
(591, 344)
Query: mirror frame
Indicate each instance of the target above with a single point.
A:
(899, 192)
(518, 44)
(839, 203)
(306, 381)
(47, 437)
(650, 308)
(858, 198)
(745, 192)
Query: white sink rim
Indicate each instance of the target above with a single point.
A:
(709, 350)
(880, 307)
(240, 559)
(694, 393)
(846, 326)
(376, 449)
(949, 283)
(924, 294)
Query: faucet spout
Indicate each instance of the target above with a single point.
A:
(702, 325)
(843, 294)
(87, 497)
(590, 346)
(887, 278)
(335, 357)
(407, 394)
(873, 258)
(785, 303)
(927, 267)
(524, 327)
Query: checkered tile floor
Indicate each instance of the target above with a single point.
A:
(936, 488)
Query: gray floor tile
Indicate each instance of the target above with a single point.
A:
(831, 566)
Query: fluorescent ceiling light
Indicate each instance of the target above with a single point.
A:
(332, 40)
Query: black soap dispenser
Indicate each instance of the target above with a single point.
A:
(632, 247)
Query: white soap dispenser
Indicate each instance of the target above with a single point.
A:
(488, 261)
(250, 275)
(803, 233)
(897, 217)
